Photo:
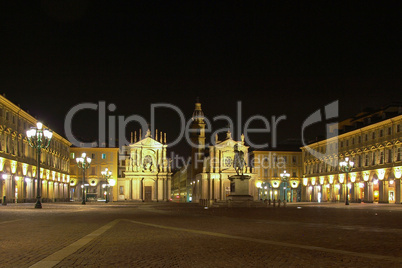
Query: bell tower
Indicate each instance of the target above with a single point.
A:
(197, 136)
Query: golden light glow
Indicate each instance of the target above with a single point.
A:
(34, 172)
(24, 169)
(398, 172)
(322, 180)
(381, 174)
(258, 184)
(331, 179)
(341, 178)
(2, 161)
(112, 182)
(13, 166)
(305, 181)
(376, 193)
(366, 176)
(275, 183)
(294, 183)
(313, 181)
(352, 177)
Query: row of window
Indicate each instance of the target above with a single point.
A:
(19, 148)
(358, 139)
(361, 160)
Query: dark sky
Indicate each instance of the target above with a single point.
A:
(277, 57)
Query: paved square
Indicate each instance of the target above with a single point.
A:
(188, 235)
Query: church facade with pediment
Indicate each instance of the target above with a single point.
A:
(147, 175)
(213, 167)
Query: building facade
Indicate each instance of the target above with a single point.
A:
(269, 166)
(212, 169)
(95, 185)
(147, 175)
(373, 142)
(18, 161)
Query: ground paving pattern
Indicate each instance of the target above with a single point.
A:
(188, 235)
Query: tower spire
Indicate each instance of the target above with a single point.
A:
(198, 114)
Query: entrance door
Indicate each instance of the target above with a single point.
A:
(148, 193)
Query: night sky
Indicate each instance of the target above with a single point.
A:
(277, 57)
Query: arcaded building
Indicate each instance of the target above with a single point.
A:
(373, 141)
(18, 161)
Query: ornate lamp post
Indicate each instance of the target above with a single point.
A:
(83, 162)
(106, 174)
(39, 139)
(285, 176)
(346, 166)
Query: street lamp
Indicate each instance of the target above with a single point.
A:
(285, 176)
(39, 139)
(346, 166)
(83, 162)
(106, 174)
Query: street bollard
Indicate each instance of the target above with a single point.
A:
(269, 202)
(273, 203)
(284, 202)
(4, 203)
(279, 203)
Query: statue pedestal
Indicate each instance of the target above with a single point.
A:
(239, 188)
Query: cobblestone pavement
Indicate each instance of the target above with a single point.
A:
(188, 235)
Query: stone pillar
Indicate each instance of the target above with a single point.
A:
(398, 188)
(383, 191)
(368, 192)
(324, 193)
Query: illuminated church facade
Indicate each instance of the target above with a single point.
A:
(147, 173)
(212, 167)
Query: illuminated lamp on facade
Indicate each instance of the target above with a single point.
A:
(2, 161)
(331, 179)
(322, 180)
(294, 183)
(305, 181)
(312, 181)
(366, 176)
(258, 184)
(341, 178)
(381, 174)
(398, 172)
(13, 166)
(275, 183)
(24, 169)
(352, 177)
(391, 182)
